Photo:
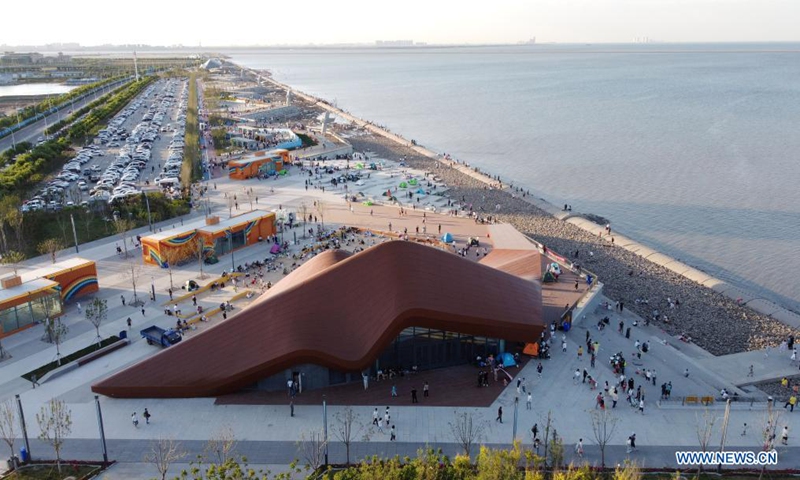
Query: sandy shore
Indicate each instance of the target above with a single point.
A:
(713, 321)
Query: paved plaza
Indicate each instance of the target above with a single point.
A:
(267, 433)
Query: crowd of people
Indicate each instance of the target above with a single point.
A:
(713, 321)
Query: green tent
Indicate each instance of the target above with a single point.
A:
(413, 181)
(549, 277)
(359, 166)
(368, 203)
(403, 185)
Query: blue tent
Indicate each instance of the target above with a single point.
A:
(447, 238)
(507, 360)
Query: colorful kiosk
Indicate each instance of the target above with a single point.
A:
(258, 164)
(34, 296)
(215, 236)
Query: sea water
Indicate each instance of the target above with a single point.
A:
(690, 149)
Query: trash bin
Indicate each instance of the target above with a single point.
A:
(23, 454)
(123, 334)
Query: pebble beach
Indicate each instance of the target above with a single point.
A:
(712, 321)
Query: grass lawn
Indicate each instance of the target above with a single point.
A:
(41, 371)
(50, 472)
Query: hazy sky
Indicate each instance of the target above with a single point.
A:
(249, 22)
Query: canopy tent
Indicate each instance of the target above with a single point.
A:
(531, 349)
(447, 238)
(403, 185)
(507, 360)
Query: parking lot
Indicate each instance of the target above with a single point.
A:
(140, 148)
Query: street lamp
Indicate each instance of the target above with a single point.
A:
(229, 234)
(324, 426)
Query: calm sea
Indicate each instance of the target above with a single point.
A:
(690, 149)
(31, 89)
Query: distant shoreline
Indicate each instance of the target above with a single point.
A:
(739, 297)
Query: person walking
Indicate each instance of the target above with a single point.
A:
(129, 323)
(576, 376)
(135, 420)
(78, 304)
(791, 403)
(394, 390)
(631, 443)
(291, 408)
(535, 431)
(375, 416)
(785, 435)
(580, 352)
(425, 388)
(528, 402)
(146, 416)
(143, 310)
(579, 448)
(122, 297)
(641, 405)
(392, 434)
(380, 425)
(414, 395)
(386, 417)
(539, 369)
(750, 373)
(499, 415)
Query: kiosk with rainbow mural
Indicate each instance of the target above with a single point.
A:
(217, 237)
(34, 296)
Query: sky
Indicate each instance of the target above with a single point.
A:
(262, 22)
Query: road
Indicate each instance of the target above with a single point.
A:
(36, 129)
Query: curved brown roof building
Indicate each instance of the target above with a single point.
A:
(341, 311)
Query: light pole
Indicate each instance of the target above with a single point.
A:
(153, 288)
(102, 432)
(324, 426)
(149, 217)
(516, 408)
(24, 428)
(229, 234)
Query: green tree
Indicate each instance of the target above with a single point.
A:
(55, 423)
(8, 423)
(13, 259)
(51, 246)
(96, 313)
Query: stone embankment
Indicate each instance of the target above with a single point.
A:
(712, 320)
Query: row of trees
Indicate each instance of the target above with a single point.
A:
(44, 105)
(30, 168)
(75, 115)
(87, 126)
(192, 168)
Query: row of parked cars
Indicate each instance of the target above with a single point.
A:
(121, 177)
(169, 176)
(62, 190)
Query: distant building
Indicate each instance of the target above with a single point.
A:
(394, 43)
(12, 58)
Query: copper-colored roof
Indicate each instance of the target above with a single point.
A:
(340, 311)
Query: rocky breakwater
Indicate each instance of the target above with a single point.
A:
(711, 320)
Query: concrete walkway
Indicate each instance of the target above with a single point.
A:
(269, 435)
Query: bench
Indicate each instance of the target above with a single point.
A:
(707, 400)
(688, 400)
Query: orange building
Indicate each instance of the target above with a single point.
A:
(211, 233)
(259, 163)
(34, 296)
